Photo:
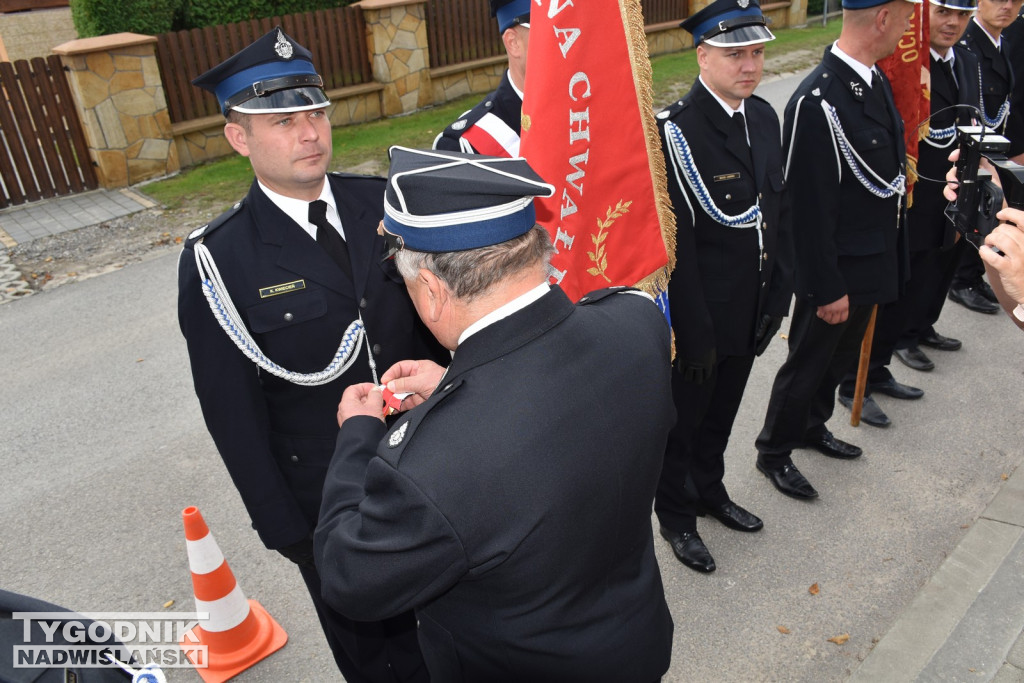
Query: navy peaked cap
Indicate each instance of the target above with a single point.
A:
(439, 201)
(510, 13)
(272, 75)
(726, 23)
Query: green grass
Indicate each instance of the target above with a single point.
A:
(219, 183)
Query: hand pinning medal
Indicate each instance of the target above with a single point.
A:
(392, 401)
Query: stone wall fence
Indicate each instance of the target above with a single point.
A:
(117, 89)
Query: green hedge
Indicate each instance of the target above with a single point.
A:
(151, 17)
(102, 17)
(200, 13)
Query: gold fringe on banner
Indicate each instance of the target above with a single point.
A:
(636, 42)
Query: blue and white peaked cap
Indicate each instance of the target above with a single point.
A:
(439, 201)
(961, 5)
(729, 23)
(273, 75)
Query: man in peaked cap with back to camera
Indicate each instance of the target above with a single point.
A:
(730, 289)
(493, 126)
(846, 177)
(284, 301)
(908, 323)
(511, 507)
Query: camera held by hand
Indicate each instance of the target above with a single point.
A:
(978, 197)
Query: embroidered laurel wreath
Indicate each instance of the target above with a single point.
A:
(599, 256)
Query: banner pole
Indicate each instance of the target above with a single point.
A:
(862, 369)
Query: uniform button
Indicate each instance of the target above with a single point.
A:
(874, 142)
(764, 226)
(376, 348)
(288, 317)
(447, 387)
(760, 195)
(294, 458)
(765, 256)
(728, 196)
(362, 302)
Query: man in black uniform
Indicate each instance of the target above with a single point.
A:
(512, 508)
(909, 321)
(846, 179)
(730, 288)
(266, 292)
(983, 38)
(493, 126)
(1014, 37)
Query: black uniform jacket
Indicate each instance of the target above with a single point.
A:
(847, 241)
(1013, 35)
(504, 103)
(513, 508)
(927, 224)
(276, 437)
(723, 280)
(997, 78)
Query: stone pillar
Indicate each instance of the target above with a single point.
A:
(796, 15)
(396, 36)
(117, 90)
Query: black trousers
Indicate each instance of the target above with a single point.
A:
(369, 652)
(694, 463)
(969, 269)
(804, 392)
(902, 323)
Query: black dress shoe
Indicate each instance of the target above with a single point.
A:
(870, 413)
(973, 299)
(788, 480)
(829, 445)
(732, 515)
(934, 340)
(914, 358)
(690, 550)
(891, 387)
(986, 291)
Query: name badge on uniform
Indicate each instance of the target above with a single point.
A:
(274, 290)
(727, 176)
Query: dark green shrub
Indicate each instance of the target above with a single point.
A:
(102, 17)
(200, 13)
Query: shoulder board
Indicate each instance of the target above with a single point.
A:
(473, 115)
(600, 294)
(220, 220)
(356, 176)
(762, 100)
(400, 431)
(671, 110)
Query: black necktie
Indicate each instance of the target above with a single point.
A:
(741, 130)
(327, 236)
(947, 68)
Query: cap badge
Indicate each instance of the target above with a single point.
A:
(397, 436)
(282, 47)
(744, 4)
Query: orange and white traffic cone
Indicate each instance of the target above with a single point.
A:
(239, 632)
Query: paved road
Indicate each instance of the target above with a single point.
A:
(102, 445)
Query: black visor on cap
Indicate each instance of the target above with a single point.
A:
(281, 101)
(736, 37)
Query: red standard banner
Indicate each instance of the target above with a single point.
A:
(908, 71)
(589, 130)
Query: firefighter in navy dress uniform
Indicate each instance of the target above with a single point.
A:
(730, 288)
(281, 311)
(846, 176)
(984, 38)
(511, 508)
(493, 126)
